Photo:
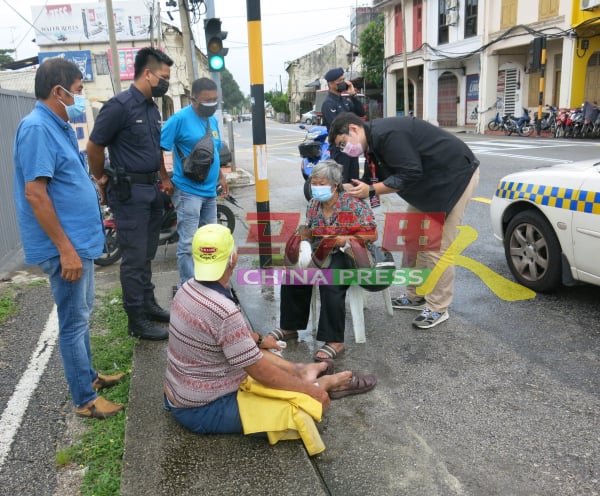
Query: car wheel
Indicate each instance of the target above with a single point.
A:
(308, 121)
(532, 251)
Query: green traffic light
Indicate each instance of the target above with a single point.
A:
(216, 63)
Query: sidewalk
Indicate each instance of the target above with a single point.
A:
(370, 448)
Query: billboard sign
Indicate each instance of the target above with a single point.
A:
(81, 58)
(87, 22)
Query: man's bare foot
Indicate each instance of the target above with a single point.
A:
(310, 371)
(335, 381)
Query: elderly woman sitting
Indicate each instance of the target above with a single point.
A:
(330, 214)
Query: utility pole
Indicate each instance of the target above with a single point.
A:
(542, 86)
(116, 73)
(405, 60)
(187, 40)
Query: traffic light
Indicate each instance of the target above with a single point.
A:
(214, 44)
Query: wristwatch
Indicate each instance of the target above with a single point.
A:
(372, 191)
(259, 342)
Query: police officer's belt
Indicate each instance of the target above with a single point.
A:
(147, 178)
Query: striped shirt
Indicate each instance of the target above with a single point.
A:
(209, 346)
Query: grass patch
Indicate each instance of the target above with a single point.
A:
(8, 305)
(101, 447)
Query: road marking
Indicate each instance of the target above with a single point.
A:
(482, 199)
(18, 402)
(495, 153)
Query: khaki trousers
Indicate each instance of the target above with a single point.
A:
(440, 298)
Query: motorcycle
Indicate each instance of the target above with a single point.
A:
(313, 149)
(524, 125)
(168, 228)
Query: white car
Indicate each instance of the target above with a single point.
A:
(309, 118)
(549, 222)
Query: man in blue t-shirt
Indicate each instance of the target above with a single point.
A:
(61, 225)
(195, 202)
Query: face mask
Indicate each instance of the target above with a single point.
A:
(321, 193)
(341, 87)
(353, 150)
(161, 88)
(78, 107)
(206, 109)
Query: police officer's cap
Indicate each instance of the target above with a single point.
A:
(334, 74)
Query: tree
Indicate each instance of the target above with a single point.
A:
(5, 58)
(371, 52)
(232, 96)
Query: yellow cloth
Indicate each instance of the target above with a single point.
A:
(281, 414)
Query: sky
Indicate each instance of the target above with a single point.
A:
(289, 30)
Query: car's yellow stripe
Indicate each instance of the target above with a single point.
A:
(551, 196)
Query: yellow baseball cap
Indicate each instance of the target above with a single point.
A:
(211, 248)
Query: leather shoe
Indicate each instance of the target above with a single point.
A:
(154, 311)
(106, 381)
(140, 327)
(99, 409)
(358, 384)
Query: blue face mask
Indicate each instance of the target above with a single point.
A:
(321, 193)
(78, 107)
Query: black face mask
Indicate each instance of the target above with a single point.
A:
(161, 88)
(341, 87)
(206, 110)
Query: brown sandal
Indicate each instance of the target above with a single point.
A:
(358, 384)
(281, 335)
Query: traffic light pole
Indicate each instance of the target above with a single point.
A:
(259, 134)
(215, 76)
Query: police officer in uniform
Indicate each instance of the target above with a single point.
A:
(335, 104)
(129, 125)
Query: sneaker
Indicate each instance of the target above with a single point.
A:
(428, 318)
(98, 408)
(402, 302)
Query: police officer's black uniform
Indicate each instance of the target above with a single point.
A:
(129, 125)
(334, 105)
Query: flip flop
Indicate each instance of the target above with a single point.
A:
(329, 351)
(330, 367)
(358, 384)
(281, 335)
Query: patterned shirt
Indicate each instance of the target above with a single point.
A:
(348, 212)
(209, 345)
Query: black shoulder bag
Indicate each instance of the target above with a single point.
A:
(197, 164)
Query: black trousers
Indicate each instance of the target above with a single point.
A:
(349, 164)
(138, 222)
(294, 308)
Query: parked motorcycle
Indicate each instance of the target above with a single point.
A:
(168, 229)
(524, 125)
(313, 149)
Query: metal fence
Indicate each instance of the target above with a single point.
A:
(15, 105)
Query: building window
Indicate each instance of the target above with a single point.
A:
(398, 48)
(508, 16)
(548, 8)
(101, 60)
(471, 18)
(442, 23)
(417, 24)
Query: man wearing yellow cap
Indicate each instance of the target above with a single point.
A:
(212, 348)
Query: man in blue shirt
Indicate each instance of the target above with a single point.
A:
(60, 222)
(195, 202)
(129, 125)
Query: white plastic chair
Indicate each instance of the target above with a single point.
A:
(356, 300)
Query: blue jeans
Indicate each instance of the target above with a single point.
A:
(221, 416)
(193, 211)
(74, 303)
